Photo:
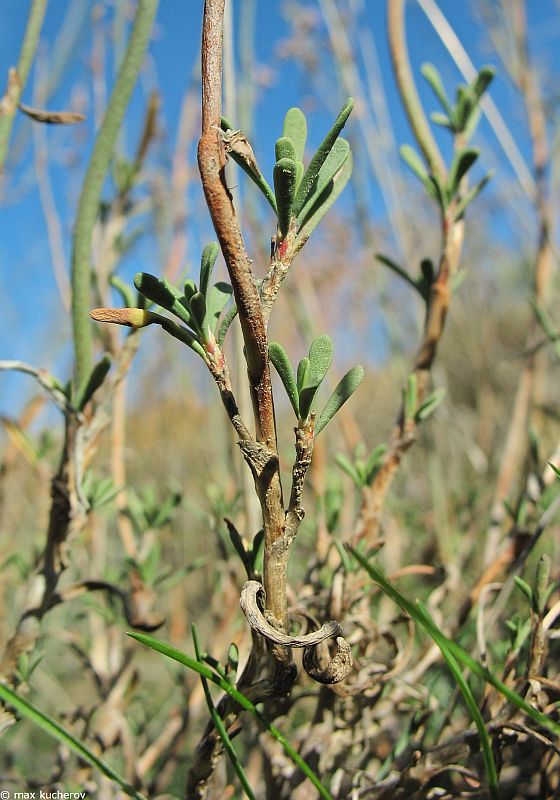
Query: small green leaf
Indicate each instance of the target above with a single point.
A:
(414, 162)
(224, 325)
(302, 370)
(525, 588)
(295, 127)
(471, 195)
(280, 359)
(207, 262)
(216, 300)
(285, 172)
(345, 389)
(162, 293)
(410, 396)
(198, 310)
(483, 81)
(554, 468)
(437, 190)
(346, 465)
(331, 166)
(323, 202)
(225, 124)
(309, 180)
(95, 380)
(320, 359)
(462, 162)
(285, 148)
(441, 119)
(397, 269)
(433, 77)
(464, 107)
(374, 462)
(430, 404)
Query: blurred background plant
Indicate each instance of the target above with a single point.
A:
(116, 475)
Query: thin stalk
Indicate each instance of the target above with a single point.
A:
(17, 80)
(93, 184)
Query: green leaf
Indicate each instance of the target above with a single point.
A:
(285, 149)
(437, 190)
(245, 159)
(95, 380)
(331, 166)
(295, 127)
(346, 465)
(41, 720)
(225, 323)
(309, 180)
(320, 359)
(207, 262)
(465, 105)
(398, 270)
(285, 172)
(280, 359)
(414, 162)
(554, 468)
(219, 724)
(470, 196)
(462, 162)
(197, 306)
(374, 462)
(460, 655)
(163, 294)
(190, 289)
(302, 370)
(323, 202)
(483, 81)
(442, 119)
(216, 300)
(240, 699)
(430, 404)
(345, 389)
(432, 76)
(525, 588)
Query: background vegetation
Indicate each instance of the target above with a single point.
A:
(142, 466)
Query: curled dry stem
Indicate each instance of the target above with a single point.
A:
(252, 601)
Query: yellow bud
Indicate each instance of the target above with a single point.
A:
(133, 317)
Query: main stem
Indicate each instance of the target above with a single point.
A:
(211, 163)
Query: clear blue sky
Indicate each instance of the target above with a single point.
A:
(26, 279)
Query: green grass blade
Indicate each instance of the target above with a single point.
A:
(219, 724)
(472, 707)
(456, 650)
(56, 731)
(244, 702)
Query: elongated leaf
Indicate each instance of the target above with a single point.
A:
(414, 162)
(398, 270)
(309, 180)
(207, 262)
(345, 389)
(302, 370)
(280, 359)
(331, 166)
(285, 173)
(462, 162)
(95, 380)
(471, 195)
(216, 300)
(433, 78)
(442, 119)
(219, 724)
(198, 310)
(346, 465)
(225, 323)
(483, 80)
(460, 655)
(466, 103)
(325, 200)
(284, 148)
(56, 731)
(375, 460)
(239, 149)
(240, 699)
(162, 293)
(430, 404)
(295, 127)
(320, 359)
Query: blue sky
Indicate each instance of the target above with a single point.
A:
(31, 301)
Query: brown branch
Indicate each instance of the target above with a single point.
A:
(211, 161)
